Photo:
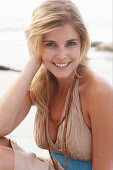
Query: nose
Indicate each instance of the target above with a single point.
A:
(61, 53)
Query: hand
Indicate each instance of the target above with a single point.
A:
(32, 54)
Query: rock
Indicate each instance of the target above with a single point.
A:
(104, 47)
(8, 68)
(95, 43)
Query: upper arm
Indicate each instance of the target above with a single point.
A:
(101, 116)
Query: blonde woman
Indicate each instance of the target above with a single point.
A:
(74, 118)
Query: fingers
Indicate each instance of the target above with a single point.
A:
(29, 45)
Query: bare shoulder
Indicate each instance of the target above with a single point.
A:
(93, 86)
(96, 96)
(99, 101)
(99, 91)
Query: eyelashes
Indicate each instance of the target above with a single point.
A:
(71, 43)
(50, 44)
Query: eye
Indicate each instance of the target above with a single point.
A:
(71, 43)
(50, 44)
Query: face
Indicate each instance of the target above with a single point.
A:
(61, 51)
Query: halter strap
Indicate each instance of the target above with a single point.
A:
(65, 126)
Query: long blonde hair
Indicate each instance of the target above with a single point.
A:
(47, 17)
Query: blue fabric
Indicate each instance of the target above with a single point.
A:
(73, 164)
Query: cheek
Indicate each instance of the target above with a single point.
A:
(75, 53)
(45, 58)
(44, 55)
(78, 53)
(47, 55)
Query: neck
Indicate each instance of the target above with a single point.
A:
(64, 85)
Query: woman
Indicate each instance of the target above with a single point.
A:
(74, 105)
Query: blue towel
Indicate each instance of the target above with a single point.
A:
(73, 164)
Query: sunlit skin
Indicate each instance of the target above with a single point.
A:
(61, 46)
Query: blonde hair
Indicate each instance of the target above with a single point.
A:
(47, 17)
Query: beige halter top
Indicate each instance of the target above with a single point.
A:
(78, 135)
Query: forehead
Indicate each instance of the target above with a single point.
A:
(64, 32)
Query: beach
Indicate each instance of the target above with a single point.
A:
(14, 54)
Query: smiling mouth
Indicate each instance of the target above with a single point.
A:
(61, 65)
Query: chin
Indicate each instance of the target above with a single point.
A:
(63, 75)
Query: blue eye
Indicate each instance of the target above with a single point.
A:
(71, 43)
(50, 44)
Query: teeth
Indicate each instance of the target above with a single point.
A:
(61, 65)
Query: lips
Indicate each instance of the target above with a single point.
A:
(61, 65)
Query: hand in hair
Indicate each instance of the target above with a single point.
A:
(32, 54)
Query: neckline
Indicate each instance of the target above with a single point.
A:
(63, 114)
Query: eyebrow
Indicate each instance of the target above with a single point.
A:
(66, 41)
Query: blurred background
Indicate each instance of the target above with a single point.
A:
(15, 16)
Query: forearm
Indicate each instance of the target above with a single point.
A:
(11, 101)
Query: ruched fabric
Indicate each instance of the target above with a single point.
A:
(78, 142)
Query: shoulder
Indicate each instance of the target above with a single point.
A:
(100, 105)
(94, 86)
(99, 92)
(97, 95)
